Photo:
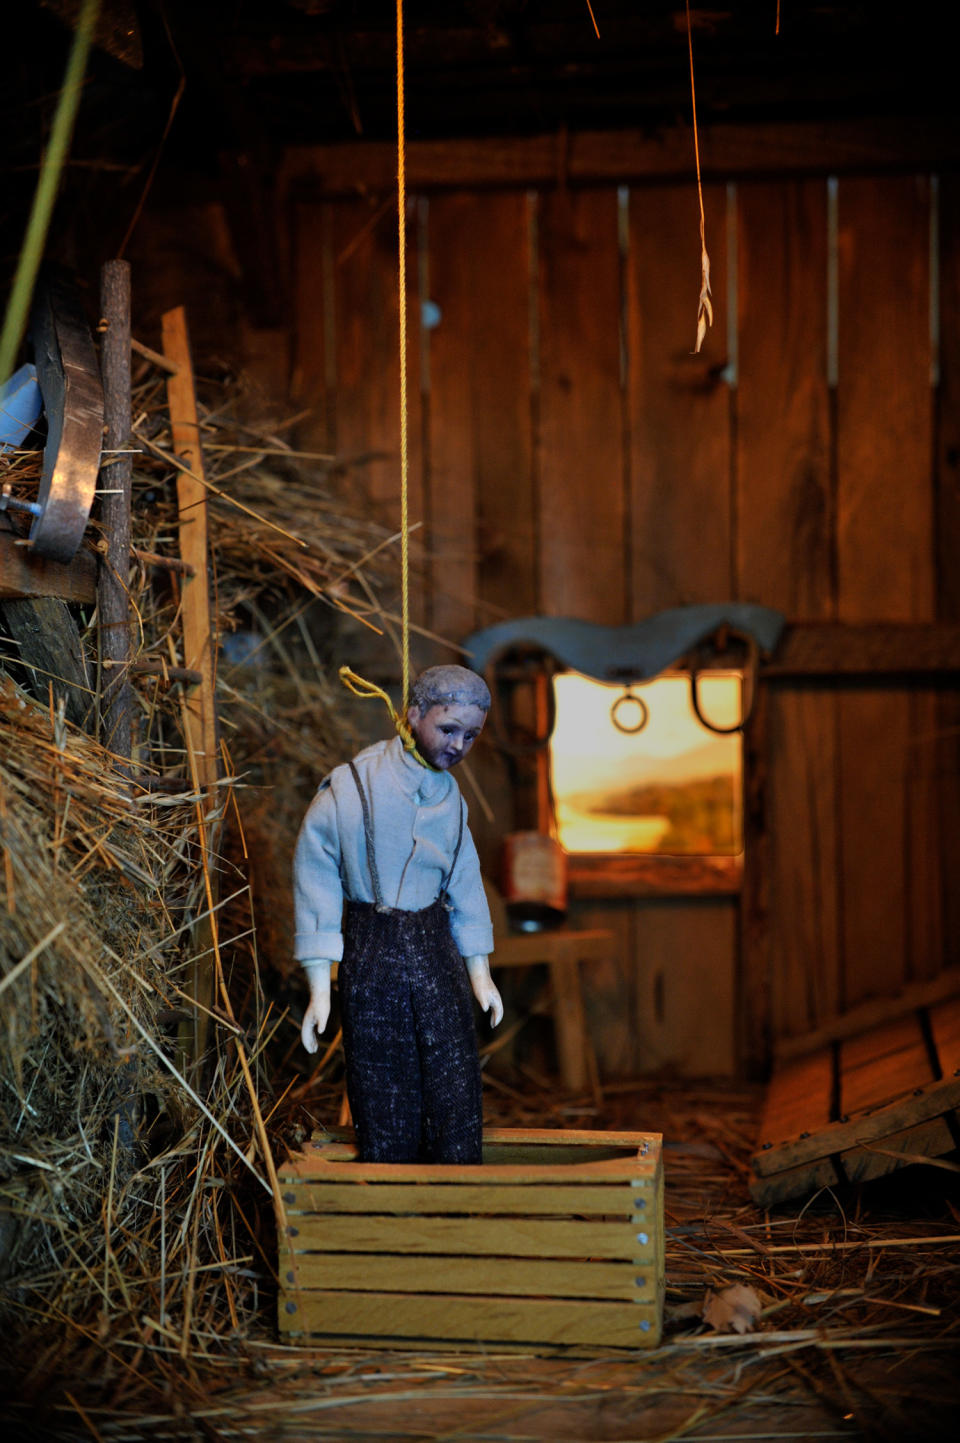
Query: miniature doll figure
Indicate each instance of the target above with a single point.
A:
(385, 846)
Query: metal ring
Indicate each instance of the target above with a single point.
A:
(630, 731)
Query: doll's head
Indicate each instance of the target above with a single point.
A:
(447, 711)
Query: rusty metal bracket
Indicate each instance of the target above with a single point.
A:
(69, 376)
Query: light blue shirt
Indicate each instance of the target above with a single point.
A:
(416, 819)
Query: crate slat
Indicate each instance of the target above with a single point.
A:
(513, 1277)
(389, 1316)
(502, 1237)
(487, 1173)
(612, 1200)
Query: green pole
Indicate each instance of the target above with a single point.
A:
(31, 252)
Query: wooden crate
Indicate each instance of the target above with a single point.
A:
(555, 1240)
(876, 1091)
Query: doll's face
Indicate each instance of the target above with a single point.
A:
(444, 734)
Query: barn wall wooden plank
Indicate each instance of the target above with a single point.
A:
(784, 511)
(947, 492)
(945, 1029)
(366, 337)
(314, 379)
(784, 554)
(679, 405)
(679, 429)
(581, 463)
(608, 987)
(481, 497)
(884, 549)
(685, 994)
(460, 256)
(480, 384)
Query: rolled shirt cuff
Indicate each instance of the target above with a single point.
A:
(474, 940)
(309, 946)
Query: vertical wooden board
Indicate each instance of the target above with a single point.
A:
(754, 917)
(685, 958)
(310, 387)
(884, 547)
(884, 501)
(367, 350)
(482, 521)
(806, 981)
(948, 548)
(679, 405)
(945, 1030)
(873, 735)
(581, 464)
(784, 559)
(924, 828)
(784, 508)
(608, 988)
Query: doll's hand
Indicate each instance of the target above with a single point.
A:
(318, 1010)
(484, 991)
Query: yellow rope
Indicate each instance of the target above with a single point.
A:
(363, 688)
(357, 684)
(402, 254)
(705, 305)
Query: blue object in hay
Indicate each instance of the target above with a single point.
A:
(20, 407)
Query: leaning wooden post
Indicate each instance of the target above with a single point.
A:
(116, 477)
(199, 708)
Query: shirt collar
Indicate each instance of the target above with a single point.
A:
(412, 778)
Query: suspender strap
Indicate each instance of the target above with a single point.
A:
(368, 838)
(456, 851)
(371, 852)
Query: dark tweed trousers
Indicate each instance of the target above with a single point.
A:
(413, 1072)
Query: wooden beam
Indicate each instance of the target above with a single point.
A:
(865, 650)
(23, 572)
(616, 157)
